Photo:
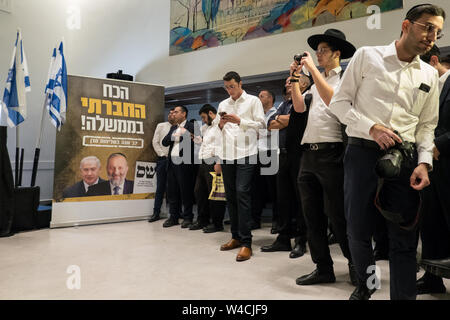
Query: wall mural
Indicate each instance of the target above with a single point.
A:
(200, 24)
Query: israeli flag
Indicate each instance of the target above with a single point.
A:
(56, 88)
(17, 84)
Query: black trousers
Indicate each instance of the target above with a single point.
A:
(360, 185)
(435, 228)
(161, 183)
(208, 210)
(6, 186)
(180, 186)
(237, 178)
(321, 185)
(291, 222)
(264, 190)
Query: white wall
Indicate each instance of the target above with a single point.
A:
(133, 35)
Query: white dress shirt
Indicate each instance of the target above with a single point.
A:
(176, 145)
(264, 137)
(162, 129)
(241, 141)
(120, 190)
(323, 125)
(379, 88)
(211, 142)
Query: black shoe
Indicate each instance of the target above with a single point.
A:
(255, 225)
(212, 228)
(440, 268)
(170, 223)
(298, 251)
(315, 278)
(154, 217)
(362, 293)
(196, 226)
(186, 223)
(6, 234)
(353, 274)
(332, 238)
(380, 254)
(277, 246)
(430, 284)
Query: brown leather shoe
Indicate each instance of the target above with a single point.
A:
(230, 245)
(244, 254)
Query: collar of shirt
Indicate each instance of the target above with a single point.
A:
(442, 80)
(391, 53)
(270, 111)
(240, 99)
(181, 125)
(86, 186)
(333, 72)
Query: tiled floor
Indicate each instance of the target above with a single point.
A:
(138, 260)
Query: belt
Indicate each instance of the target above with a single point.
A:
(363, 143)
(322, 146)
(162, 158)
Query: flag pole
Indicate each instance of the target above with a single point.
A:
(22, 151)
(37, 151)
(16, 177)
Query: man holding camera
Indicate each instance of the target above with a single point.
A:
(387, 89)
(321, 176)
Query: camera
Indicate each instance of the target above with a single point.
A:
(390, 165)
(298, 57)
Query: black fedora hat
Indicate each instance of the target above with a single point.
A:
(337, 39)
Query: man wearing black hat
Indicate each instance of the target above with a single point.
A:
(389, 99)
(321, 177)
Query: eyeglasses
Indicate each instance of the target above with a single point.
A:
(430, 28)
(322, 50)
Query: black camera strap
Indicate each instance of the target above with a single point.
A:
(396, 217)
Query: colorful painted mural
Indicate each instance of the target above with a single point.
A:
(200, 24)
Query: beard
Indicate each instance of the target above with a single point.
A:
(116, 181)
(210, 120)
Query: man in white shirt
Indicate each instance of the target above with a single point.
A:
(180, 172)
(241, 117)
(162, 129)
(321, 176)
(386, 89)
(209, 155)
(264, 185)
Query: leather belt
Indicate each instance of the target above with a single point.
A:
(363, 143)
(321, 146)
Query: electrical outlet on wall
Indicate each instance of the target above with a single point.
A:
(6, 5)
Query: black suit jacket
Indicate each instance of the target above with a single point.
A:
(104, 188)
(77, 190)
(169, 142)
(442, 132)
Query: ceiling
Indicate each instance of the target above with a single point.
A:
(210, 92)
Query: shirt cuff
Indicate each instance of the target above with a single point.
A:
(426, 157)
(364, 125)
(244, 124)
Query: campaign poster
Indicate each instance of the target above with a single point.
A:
(104, 158)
